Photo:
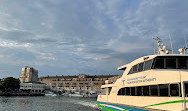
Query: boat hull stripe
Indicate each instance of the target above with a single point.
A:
(110, 107)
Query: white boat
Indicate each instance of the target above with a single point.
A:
(153, 82)
(76, 94)
(50, 94)
(66, 94)
(93, 94)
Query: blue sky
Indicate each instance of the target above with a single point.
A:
(68, 37)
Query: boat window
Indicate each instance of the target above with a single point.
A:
(139, 91)
(182, 63)
(159, 63)
(168, 62)
(135, 69)
(145, 90)
(154, 90)
(171, 63)
(160, 90)
(147, 65)
(131, 71)
(186, 89)
(109, 90)
(163, 89)
(123, 91)
(103, 91)
(174, 90)
(120, 92)
(127, 90)
(140, 67)
(133, 91)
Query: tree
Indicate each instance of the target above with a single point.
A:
(11, 83)
(1, 86)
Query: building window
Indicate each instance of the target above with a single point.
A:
(74, 83)
(96, 83)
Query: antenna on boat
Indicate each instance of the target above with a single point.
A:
(153, 45)
(185, 44)
(171, 44)
(160, 50)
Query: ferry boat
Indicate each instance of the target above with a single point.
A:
(153, 82)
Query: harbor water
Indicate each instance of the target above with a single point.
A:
(47, 103)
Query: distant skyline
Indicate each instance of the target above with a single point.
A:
(70, 37)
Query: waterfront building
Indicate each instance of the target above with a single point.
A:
(33, 87)
(81, 82)
(28, 74)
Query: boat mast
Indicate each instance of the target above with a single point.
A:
(171, 44)
(185, 45)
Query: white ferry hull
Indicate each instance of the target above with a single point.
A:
(152, 89)
(142, 103)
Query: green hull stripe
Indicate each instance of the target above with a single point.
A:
(180, 101)
(171, 102)
(103, 107)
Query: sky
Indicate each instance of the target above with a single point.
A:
(71, 37)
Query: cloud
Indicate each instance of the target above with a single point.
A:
(93, 37)
(14, 45)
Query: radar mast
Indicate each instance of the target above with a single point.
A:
(161, 48)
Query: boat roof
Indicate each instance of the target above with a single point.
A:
(148, 57)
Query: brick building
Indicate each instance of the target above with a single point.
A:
(76, 83)
(28, 74)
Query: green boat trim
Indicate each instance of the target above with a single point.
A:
(170, 102)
